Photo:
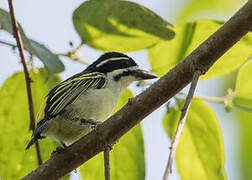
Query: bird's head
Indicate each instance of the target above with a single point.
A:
(120, 67)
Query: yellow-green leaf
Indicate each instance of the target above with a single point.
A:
(15, 161)
(200, 153)
(196, 8)
(127, 156)
(115, 25)
(244, 82)
(166, 54)
(244, 122)
(243, 89)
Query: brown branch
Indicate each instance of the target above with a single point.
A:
(181, 124)
(142, 105)
(107, 162)
(28, 79)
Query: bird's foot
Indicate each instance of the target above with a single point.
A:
(95, 125)
(59, 149)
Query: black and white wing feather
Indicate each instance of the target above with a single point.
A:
(64, 94)
(67, 91)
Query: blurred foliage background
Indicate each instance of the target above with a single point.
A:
(216, 143)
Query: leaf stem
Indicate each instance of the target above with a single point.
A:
(72, 55)
(28, 79)
(212, 99)
(8, 44)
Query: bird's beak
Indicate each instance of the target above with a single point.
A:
(142, 74)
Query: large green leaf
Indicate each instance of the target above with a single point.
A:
(50, 60)
(243, 89)
(196, 8)
(244, 82)
(127, 156)
(115, 25)
(15, 161)
(200, 153)
(245, 144)
(166, 54)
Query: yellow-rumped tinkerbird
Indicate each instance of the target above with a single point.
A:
(73, 107)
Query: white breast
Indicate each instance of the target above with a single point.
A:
(98, 104)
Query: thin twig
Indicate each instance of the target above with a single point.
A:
(8, 44)
(73, 57)
(77, 48)
(181, 124)
(28, 79)
(107, 163)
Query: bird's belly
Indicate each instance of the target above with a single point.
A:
(95, 106)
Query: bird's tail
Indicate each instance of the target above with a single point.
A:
(32, 141)
(36, 134)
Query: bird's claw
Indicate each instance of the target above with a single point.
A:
(95, 125)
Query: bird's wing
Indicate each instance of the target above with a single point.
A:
(66, 92)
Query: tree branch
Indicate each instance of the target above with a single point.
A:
(181, 124)
(28, 79)
(142, 105)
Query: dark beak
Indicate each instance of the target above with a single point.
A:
(142, 74)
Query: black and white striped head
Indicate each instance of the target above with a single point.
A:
(117, 66)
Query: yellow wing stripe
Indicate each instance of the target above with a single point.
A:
(68, 83)
(71, 89)
(62, 97)
(87, 85)
(63, 102)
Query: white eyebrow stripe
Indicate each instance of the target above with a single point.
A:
(112, 59)
(120, 71)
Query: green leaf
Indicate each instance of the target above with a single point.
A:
(50, 60)
(245, 144)
(197, 8)
(244, 82)
(115, 25)
(166, 54)
(126, 158)
(243, 89)
(200, 153)
(15, 161)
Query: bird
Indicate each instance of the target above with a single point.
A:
(76, 105)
